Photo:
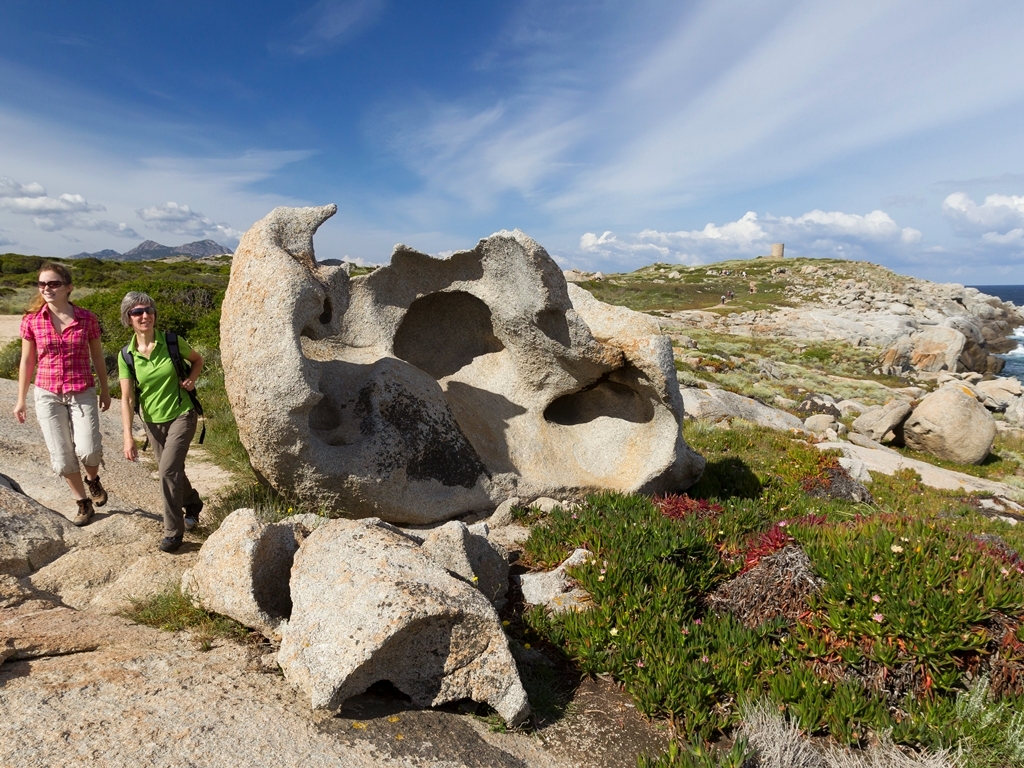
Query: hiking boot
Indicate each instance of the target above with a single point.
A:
(192, 515)
(170, 543)
(85, 512)
(96, 491)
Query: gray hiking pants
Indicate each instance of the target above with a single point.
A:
(170, 441)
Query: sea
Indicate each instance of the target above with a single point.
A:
(1015, 358)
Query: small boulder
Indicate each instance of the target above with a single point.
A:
(878, 422)
(503, 514)
(851, 408)
(545, 504)
(951, 424)
(370, 605)
(1015, 411)
(243, 570)
(473, 558)
(556, 590)
(819, 423)
(31, 535)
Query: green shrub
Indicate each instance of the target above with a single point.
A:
(10, 359)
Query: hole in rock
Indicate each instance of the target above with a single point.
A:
(275, 552)
(324, 416)
(325, 316)
(602, 398)
(444, 332)
(385, 689)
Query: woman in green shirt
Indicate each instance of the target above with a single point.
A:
(166, 410)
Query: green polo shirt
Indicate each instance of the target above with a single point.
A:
(160, 394)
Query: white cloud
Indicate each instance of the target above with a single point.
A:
(876, 225)
(998, 212)
(44, 205)
(910, 235)
(182, 220)
(10, 188)
(819, 233)
(1013, 238)
(52, 214)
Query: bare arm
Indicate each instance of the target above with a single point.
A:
(197, 368)
(96, 352)
(25, 371)
(127, 416)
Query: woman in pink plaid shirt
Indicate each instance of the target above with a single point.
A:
(58, 341)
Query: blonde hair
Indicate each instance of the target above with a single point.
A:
(37, 301)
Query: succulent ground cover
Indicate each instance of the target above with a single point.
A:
(853, 621)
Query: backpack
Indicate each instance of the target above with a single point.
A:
(179, 366)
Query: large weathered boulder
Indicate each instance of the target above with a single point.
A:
(878, 422)
(369, 605)
(244, 568)
(951, 424)
(718, 404)
(435, 387)
(31, 535)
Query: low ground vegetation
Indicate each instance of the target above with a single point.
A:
(913, 612)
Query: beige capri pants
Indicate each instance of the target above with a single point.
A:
(71, 428)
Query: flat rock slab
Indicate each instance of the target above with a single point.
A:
(39, 628)
(119, 694)
(718, 404)
(889, 462)
(115, 560)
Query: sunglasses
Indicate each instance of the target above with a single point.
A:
(51, 284)
(140, 311)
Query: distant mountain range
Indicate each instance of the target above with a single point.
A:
(153, 250)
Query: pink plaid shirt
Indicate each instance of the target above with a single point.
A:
(63, 363)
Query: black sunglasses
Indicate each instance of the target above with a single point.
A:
(140, 311)
(51, 284)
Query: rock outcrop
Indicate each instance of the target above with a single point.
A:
(435, 387)
(368, 605)
(951, 424)
(917, 326)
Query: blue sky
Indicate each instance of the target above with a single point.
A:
(614, 133)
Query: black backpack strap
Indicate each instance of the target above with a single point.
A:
(183, 373)
(129, 360)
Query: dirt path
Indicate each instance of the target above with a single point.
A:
(9, 325)
(23, 457)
